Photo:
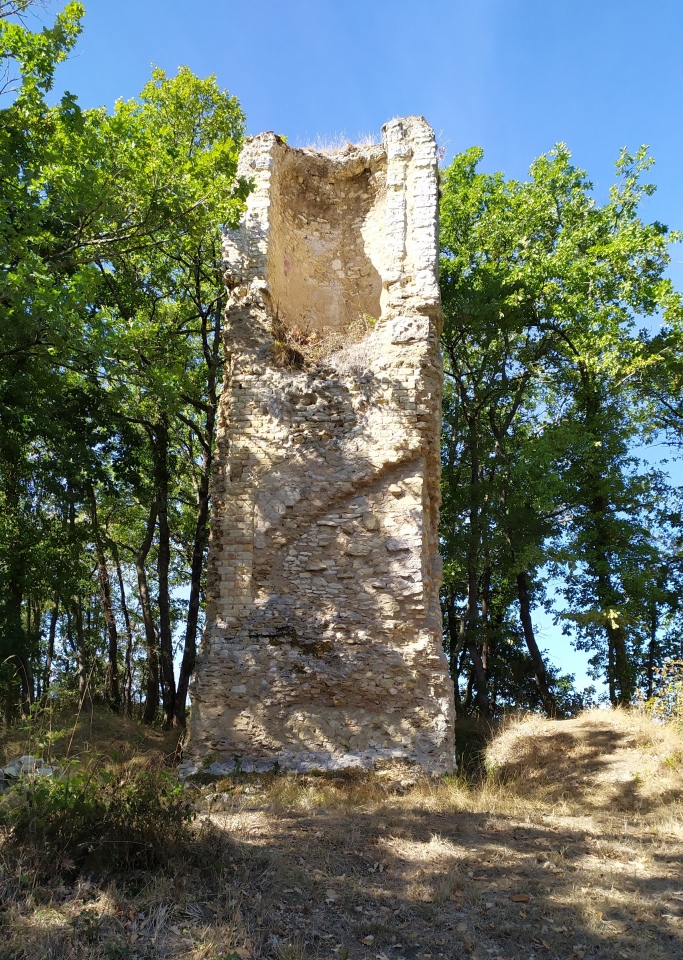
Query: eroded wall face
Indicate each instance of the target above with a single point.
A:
(322, 647)
(320, 274)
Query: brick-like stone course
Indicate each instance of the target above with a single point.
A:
(322, 647)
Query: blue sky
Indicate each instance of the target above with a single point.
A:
(512, 76)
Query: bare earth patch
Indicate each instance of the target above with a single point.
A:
(572, 849)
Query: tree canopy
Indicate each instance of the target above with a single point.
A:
(544, 290)
(562, 341)
(110, 366)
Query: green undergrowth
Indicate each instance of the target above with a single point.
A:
(99, 816)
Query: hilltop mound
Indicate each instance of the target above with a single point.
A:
(604, 759)
(66, 733)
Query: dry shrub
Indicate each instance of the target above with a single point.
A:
(348, 351)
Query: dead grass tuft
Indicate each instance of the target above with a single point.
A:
(349, 351)
(336, 143)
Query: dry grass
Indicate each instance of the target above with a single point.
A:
(62, 733)
(603, 760)
(572, 847)
(336, 143)
(349, 352)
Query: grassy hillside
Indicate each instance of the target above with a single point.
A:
(570, 848)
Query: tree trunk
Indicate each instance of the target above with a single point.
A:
(470, 687)
(547, 699)
(18, 639)
(472, 611)
(213, 366)
(152, 696)
(54, 617)
(652, 649)
(34, 620)
(455, 641)
(611, 686)
(190, 646)
(486, 644)
(128, 670)
(161, 484)
(199, 549)
(621, 676)
(81, 650)
(83, 679)
(623, 684)
(112, 681)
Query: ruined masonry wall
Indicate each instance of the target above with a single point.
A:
(322, 648)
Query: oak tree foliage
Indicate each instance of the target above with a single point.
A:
(545, 491)
(110, 361)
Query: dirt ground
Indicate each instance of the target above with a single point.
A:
(571, 848)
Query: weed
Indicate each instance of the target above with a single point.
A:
(114, 818)
(136, 740)
(209, 759)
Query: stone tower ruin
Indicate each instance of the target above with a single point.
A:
(322, 647)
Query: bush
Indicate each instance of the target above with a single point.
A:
(130, 817)
(666, 704)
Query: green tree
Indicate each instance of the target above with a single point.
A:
(161, 320)
(110, 362)
(542, 289)
(34, 296)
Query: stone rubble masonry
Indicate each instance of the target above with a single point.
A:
(322, 648)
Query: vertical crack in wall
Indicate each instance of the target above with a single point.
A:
(322, 647)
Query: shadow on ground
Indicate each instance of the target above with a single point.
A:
(572, 855)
